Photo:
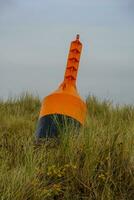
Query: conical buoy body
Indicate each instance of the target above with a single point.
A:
(65, 102)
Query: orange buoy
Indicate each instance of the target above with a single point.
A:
(65, 102)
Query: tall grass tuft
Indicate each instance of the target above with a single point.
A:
(95, 164)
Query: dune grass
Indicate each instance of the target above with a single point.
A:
(96, 164)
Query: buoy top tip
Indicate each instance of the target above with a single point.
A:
(77, 37)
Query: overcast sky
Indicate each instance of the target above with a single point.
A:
(35, 36)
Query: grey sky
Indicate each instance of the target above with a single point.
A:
(35, 38)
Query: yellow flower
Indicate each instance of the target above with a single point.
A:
(74, 166)
(67, 165)
(59, 175)
(102, 176)
(57, 187)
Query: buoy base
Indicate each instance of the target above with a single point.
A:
(50, 125)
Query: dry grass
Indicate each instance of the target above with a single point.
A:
(96, 164)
